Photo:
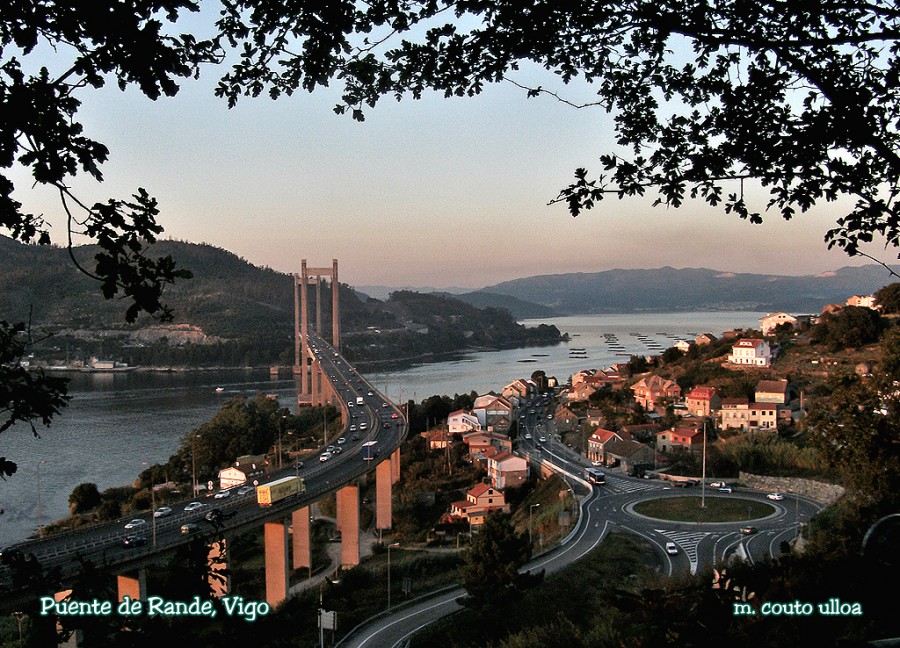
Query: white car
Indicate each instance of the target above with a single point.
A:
(775, 497)
(341, 441)
(135, 523)
(162, 511)
(528, 435)
(671, 549)
(193, 506)
(597, 462)
(222, 494)
(543, 439)
(718, 484)
(325, 456)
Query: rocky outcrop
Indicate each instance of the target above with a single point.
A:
(814, 490)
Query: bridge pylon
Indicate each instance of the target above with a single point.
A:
(309, 390)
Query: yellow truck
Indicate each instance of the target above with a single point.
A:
(268, 494)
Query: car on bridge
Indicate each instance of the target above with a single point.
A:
(717, 484)
(222, 494)
(243, 490)
(135, 523)
(193, 506)
(134, 541)
(341, 441)
(189, 528)
(325, 456)
(162, 511)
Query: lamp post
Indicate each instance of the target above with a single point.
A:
(389, 547)
(40, 522)
(194, 463)
(280, 430)
(530, 510)
(152, 502)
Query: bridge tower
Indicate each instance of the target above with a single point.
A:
(314, 387)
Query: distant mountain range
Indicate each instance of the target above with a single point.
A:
(685, 289)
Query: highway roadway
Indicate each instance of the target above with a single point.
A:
(606, 508)
(103, 543)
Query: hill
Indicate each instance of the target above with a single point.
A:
(231, 313)
(665, 289)
(519, 308)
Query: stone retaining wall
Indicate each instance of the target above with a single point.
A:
(814, 490)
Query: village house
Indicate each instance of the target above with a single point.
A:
(566, 420)
(683, 345)
(518, 390)
(461, 422)
(437, 439)
(492, 411)
(579, 394)
(772, 391)
(751, 351)
(703, 401)
(507, 470)
(705, 339)
(628, 454)
(643, 432)
(768, 323)
(685, 438)
(863, 301)
(738, 413)
(649, 390)
(480, 442)
(245, 469)
(598, 440)
(480, 501)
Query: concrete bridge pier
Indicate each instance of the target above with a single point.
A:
(217, 559)
(395, 466)
(348, 523)
(134, 587)
(302, 546)
(277, 570)
(383, 482)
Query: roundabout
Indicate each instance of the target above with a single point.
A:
(687, 508)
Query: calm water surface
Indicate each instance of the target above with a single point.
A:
(115, 423)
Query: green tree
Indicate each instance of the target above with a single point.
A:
(84, 497)
(888, 298)
(491, 568)
(849, 327)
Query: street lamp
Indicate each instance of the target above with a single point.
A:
(389, 547)
(194, 463)
(40, 524)
(530, 509)
(152, 502)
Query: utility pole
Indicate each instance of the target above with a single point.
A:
(703, 476)
(40, 521)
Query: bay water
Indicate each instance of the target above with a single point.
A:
(117, 424)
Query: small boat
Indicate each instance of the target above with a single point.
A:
(219, 390)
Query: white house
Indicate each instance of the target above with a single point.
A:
(768, 323)
(751, 351)
(461, 421)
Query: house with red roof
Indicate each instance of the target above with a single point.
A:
(703, 401)
(740, 414)
(651, 389)
(686, 438)
(598, 440)
(751, 351)
(480, 501)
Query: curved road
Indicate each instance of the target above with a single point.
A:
(603, 509)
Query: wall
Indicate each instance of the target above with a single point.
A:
(818, 491)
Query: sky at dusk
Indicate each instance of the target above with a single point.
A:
(433, 192)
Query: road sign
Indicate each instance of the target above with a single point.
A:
(327, 620)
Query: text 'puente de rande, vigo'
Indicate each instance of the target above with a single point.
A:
(325, 377)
